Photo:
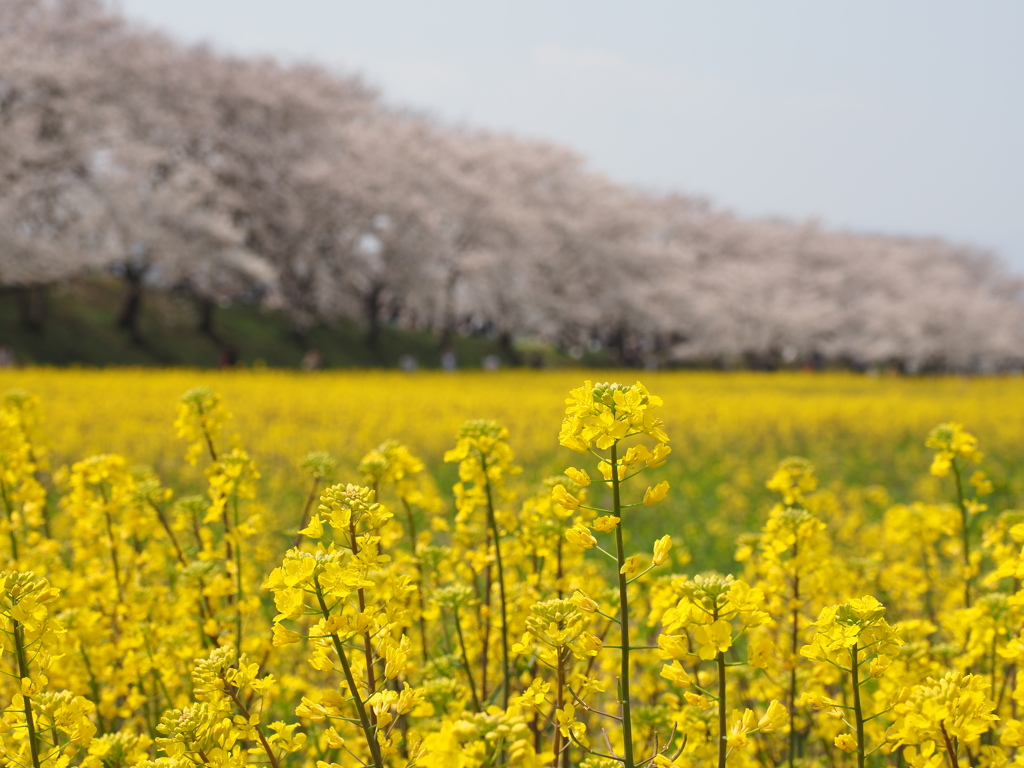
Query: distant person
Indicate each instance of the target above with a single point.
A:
(6, 356)
(313, 360)
(491, 363)
(448, 360)
(408, 363)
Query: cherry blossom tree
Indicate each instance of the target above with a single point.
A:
(245, 180)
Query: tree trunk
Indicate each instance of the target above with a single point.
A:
(372, 309)
(33, 303)
(623, 349)
(444, 338)
(131, 302)
(207, 308)
(508, 348)
(448, 317)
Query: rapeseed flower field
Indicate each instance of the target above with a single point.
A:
(522, 569)
(729, 430)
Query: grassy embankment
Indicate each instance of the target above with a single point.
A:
(79, 327)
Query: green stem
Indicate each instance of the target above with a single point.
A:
(371, 678)
(966, 535)
(995, 640)
(149, 717)
(794, 656)
(420, 581)
(950, 747)
(95, 688)
(244, 711)
(238, 579)
(364, 720)
(113, 551)
(484, 612)
(857, 711)
(23, 672)
(559, 704)
(10, 522)
(493, 523)
(559, 572)
(723, 736)
(305, 511)
(206, 433)
(620, 559)
(169, 531)
(465, 660)
(157, 679)
(40, 476)
(45, 511)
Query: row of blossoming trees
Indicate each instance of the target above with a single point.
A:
(140, 629)
(231, 179)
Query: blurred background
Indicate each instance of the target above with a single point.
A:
(453, 184)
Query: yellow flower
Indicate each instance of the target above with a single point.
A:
(201, 417)
(698, 700)
(606, 471)
(581, 537)
(982, 485)
(1013, 734)
(846, 742)
(606, 523)
(632, 564)
(565, 718)
(675, 673)
(603, 414)
(655, 494)
(955, 705)
(673, 647)
(659, 455)
(951, 442)
(536, 694)
(824, 704)
(941, 464)
(315, 529)
(742, 724)
(635, 455)
(583, 601)
(563, 498)
(880, 665)
(713, 639)
(793, 479)
(774, 718)
(661, 549)
(586, 645)
(578, 476)
(759, 652)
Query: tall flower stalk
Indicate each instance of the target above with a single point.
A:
(954, 449)
(597, 419)
(341, 587)
(855, 638)
(485, 461)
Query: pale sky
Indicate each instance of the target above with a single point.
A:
(877, 116)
